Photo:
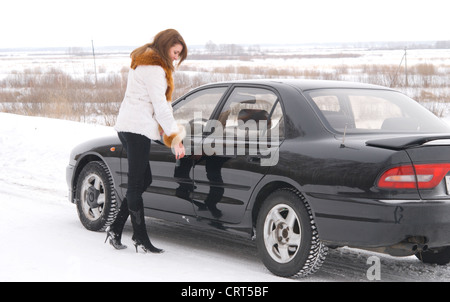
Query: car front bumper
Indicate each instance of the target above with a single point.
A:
(69, 176)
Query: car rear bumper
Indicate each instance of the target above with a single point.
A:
(383, 223)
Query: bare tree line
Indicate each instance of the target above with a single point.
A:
(55, 93)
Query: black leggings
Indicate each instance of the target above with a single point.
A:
(139, 174)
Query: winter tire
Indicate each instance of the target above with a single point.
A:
(440, 256)
(95, 197)
(286, 236)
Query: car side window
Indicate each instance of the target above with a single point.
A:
(335, 112)
(198, 107)
(252, 113)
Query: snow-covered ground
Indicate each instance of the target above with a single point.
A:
(43, 240)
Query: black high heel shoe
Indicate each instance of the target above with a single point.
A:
(114, 239)
(140, 236)
(146, 246)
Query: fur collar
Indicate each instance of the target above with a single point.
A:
(150, 57)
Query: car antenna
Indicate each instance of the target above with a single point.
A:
(343, 138)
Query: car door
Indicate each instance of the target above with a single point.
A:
(239, 146)
(172, 180)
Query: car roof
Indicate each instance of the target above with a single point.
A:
(310, 84)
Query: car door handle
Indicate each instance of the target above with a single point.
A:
(254, 159)
(257, 158)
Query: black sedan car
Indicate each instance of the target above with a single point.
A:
(301, 166)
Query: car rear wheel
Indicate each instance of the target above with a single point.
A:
(440, 256)
(286, 236)
(95, 197)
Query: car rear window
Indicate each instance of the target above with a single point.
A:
(374, 111)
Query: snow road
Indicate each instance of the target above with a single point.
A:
(42, 239)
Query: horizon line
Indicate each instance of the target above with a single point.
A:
(428, 42)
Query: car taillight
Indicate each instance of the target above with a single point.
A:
(425, 176)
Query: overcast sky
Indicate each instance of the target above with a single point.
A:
(74, 23)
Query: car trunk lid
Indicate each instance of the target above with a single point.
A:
(430, 169)
(406, 142)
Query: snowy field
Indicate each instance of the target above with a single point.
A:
(59, 83)
(327, 57)
(43, 240)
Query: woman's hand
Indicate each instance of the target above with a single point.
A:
(179, 151)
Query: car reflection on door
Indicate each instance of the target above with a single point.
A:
(225, 177)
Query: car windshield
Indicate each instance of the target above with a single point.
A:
(373, 111)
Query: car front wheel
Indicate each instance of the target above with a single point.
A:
(95, 197)
(286, 236)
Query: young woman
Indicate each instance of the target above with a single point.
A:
(146, 114)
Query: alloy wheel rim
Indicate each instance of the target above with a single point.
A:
(92, 197)
(282, 233)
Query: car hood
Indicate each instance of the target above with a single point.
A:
(98, 146)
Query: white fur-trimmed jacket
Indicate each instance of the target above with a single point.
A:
(146, 104)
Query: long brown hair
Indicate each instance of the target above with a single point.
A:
(161, 44)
